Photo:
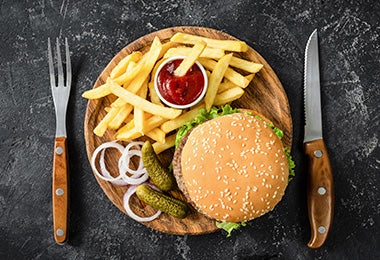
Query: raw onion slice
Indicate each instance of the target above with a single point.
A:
(127, 196)
(127, 154)
(103, 169)
(105, 175)
(136, 176)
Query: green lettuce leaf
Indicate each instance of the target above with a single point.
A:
(276, 130)
(291, 163)
(229, 226)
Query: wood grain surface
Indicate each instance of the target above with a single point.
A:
(320, 192)
(60, 190)
(265, 94)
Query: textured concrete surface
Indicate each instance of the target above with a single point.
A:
(97, 30)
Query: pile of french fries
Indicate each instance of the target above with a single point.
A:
(138, 111)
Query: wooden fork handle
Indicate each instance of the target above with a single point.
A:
(320, 197)
(60, 190)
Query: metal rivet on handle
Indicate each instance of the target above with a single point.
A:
(321, 229)
(60, 232)
(318, 153)
(321, 190)
(59, 192)
(59, 150)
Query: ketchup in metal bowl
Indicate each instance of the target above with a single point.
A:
(180, 92)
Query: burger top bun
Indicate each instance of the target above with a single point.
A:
(232, 168)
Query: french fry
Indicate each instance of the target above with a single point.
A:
(139, 115)
(125, 111)
(228, 84)
(214, 81)
(143, 104)
(165, 47)
(128, 76)
(98, 92)
(121, 67)
(139, 118)
(160, 147)
(128, 132)
(211, 53)
(157, 134)
(101, 128)
(130, 66)
(245, 65)
(122, 114)
(228, 96)
(190, 59)
(127, 128)
(176, 123)
(228, 45)
(138, 80)
(154, 98)
(230, 74)
(103, 90)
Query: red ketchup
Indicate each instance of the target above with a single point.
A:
(180, 90)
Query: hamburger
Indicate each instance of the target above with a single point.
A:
(232, 168)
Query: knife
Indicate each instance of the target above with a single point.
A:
(320, 190)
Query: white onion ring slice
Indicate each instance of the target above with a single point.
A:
(131, 190)
(118, 180)
(127, 154)
(105, 175)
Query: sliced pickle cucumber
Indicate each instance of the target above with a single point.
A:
(176, 208)
(159, 175)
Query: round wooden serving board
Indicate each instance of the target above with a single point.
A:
(265, 94)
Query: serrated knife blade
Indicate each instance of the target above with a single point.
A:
(320, 190)
(312, 102)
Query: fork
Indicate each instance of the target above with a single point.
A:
(60, 187)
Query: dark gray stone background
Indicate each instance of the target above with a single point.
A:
(97, 30)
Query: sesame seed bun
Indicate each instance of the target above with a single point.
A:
(232, 168)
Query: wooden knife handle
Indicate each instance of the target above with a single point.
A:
(60, 190)
(320, 197)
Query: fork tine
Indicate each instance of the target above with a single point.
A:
(51, 66)
(59, 64)
(68, 65)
